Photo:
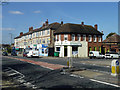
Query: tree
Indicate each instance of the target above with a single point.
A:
(110, 34)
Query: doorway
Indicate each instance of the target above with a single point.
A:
(65, 50)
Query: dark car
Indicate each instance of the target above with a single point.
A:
(5, 54)
(13, 54)
(25, 54)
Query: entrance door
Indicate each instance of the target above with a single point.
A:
(65, 50)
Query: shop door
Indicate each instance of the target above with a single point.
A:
(65, 50)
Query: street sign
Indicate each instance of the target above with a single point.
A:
(117, 63)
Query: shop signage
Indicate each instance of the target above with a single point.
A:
(68, 43)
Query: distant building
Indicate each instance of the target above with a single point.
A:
(112, 43)
(41, 38)
(77, 39)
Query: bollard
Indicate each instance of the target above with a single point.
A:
(114, 67)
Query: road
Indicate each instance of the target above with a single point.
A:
(47, 73)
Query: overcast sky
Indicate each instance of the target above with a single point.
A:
(19, 16)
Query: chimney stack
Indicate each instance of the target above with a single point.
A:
(46, 22)
(96, 26)
(43, 24)
(102, 32)
(30, 29)
(61, 22)
(21, 33)
(82, 23)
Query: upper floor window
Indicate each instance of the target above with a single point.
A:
(99, 38)
(43, 32)
(84, 37)
(89, 38)
(73, 37)
(94, 38)
(48, 32)
(37, 34)
(78, 37)
(59, 37)
(65, 37)
(56, 38)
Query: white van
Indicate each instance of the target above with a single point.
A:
(95, 54)
(33, 53)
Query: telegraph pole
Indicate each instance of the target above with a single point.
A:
(11, 37)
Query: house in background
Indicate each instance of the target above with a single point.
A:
(79, 39)
(112, 43)
(41, 38)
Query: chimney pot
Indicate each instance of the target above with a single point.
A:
(61, 22)
(21, 33)
(46, 22)
(30, 29)
(96, 26)
(82, 23)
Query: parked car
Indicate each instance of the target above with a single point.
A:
(33, 53)
(5, 54)
(111, 55)
(13, 54)
(95, 54)
(25, 54)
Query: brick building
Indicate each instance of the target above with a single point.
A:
(112, 43)
(77, 39)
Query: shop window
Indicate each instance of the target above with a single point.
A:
(74, 48)
(95, 48)
(57, 48)
(48, 40)
(90, 49)
(43, 41)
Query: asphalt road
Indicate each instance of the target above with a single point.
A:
(37, 77)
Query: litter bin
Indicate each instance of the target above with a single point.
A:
(56, 54)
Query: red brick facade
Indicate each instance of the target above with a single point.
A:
(91, 44)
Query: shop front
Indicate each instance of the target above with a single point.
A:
(43, 49)
(71, 48)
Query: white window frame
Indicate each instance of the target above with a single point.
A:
(90, 38)
(73, 37)
(78, 37)
(59, 37)
(85, 37)
(99, 38)
(48, 31)
(65, 36)
(95, 38)
(56, 38)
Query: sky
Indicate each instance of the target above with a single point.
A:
(19, 16)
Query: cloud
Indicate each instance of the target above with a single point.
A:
(37, 11)
(7, 29)
(16, 12)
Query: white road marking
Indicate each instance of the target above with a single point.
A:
(105, 83)
(73, 75)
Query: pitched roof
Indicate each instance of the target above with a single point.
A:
(52, 26)
(113, 38)
(77, 28)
